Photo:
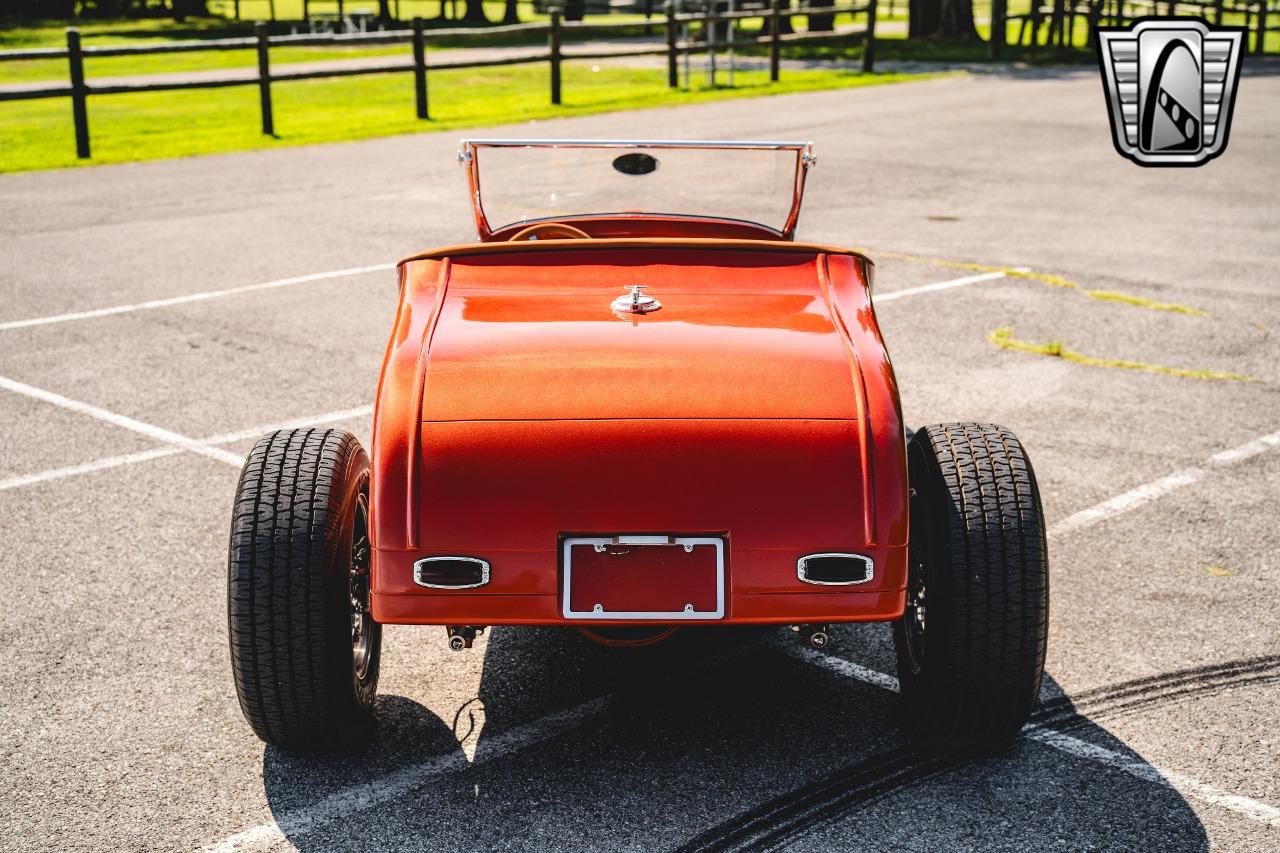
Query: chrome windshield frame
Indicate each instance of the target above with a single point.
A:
(805, 160)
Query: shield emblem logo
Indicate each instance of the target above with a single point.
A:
(1170, 86)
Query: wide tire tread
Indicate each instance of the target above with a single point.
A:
(988, 597)
(288, 624)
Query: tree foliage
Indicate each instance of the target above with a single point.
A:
(67, 9)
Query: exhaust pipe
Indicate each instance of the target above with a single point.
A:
(813, 636)
(462, 636)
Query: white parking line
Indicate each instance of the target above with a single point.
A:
(941, 285)
(124, 422)
(1250, 808)
(147, 455)
(202, 296)
(161, 452)
(845, 668)
(296, 423)
(359, 797)
(1148, 492)
(384, 789)
(87, 467)
(191, 297)
(366, 795)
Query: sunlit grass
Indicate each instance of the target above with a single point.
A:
(38, 134)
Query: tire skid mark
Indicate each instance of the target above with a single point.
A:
(815, 803)
(1227, 674)
(782, 818)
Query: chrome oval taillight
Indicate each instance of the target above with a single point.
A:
(451, 572)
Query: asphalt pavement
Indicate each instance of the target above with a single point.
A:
(155, 317)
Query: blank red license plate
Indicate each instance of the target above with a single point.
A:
(643, 577)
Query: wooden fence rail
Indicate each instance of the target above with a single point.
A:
(338, 8)
(79, 89)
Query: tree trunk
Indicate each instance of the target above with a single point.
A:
(384, 11)
(511, 15)
(941, 18)
(475, 13)
(821, 23)
(784, 24)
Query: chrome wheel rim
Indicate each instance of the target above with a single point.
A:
(358, 591)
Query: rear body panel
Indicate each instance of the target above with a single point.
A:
(756, 407)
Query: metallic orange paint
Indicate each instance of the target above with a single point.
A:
(515, 408)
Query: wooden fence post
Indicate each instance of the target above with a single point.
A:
(869, 41)
(79, 93)
(553, 43)
(999, 27)
(709, 33)
(673, 77)
(775, 39)
(420, 68)
(264, 78)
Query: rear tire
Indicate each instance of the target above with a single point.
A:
(304, 651)
(971, 644)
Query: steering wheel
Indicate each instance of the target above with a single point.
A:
(549, 231)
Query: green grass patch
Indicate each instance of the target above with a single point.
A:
(55, 70)
(17, 34)
(1003, 338)
(145, 126)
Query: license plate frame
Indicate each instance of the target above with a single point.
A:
(599, 614)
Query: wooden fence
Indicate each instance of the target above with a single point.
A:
(78, 89)
(1053, 24)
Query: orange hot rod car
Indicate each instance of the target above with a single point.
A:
(664, 414)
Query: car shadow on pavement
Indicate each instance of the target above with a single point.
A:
(719, 739)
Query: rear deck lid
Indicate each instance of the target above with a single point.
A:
(740, 334)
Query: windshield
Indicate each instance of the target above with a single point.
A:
(517, 181)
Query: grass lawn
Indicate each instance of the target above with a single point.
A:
(156, 31)
(50, 34)
(38, 134)
(141, 32)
